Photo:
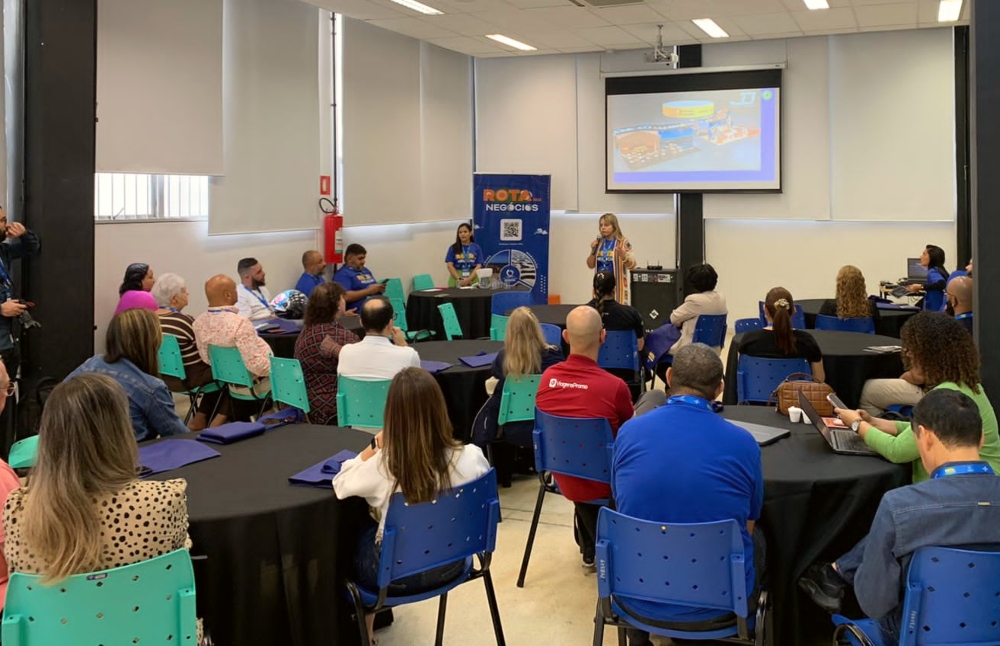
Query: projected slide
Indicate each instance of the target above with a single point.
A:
(702, 140)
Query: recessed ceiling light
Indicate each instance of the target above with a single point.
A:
(419, 6)
(510, 42)
(817, 4)
(708, 26)
(949, 10)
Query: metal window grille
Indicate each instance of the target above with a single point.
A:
(136, 196)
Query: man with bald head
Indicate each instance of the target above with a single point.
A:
(958, 296)
(578, 387)
(223, 326)
(312, 274)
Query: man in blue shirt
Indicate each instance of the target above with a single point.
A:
(683, 463)
(312, 276)
(357, 281)
(959, 505)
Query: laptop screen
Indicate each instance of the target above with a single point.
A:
(914, 270)
(814, 418)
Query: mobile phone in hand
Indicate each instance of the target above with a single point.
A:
(835, 401)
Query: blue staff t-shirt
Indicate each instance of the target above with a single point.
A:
(354, 280)
(934, 299)
(470, 256)
(606, 255)
(307, 283)
(683, 463)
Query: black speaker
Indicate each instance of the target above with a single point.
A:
(655, 295)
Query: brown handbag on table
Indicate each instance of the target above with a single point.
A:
(787, 394)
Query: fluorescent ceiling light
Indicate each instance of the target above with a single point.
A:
(419, 6)
(510, 42)
(817, 4)
(708, 26)
(949, 10)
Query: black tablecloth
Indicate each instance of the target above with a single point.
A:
(889, 324)
(283, 345)
(464, 388)
(472, 306)
(552, 314)
(276, 552)
(817, 505)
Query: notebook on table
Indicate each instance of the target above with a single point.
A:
(763, 434)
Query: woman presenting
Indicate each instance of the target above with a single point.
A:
(464, 258)
(613, 252)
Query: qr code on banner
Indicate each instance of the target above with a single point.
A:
(510, 230)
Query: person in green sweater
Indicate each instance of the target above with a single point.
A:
(941, 350)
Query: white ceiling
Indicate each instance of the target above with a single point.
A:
(559, 26)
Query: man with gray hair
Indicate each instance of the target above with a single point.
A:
(683, 463)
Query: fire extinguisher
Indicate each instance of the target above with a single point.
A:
(333, 233)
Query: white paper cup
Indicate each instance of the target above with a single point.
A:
(794, 414)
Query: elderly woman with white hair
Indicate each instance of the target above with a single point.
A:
(171, 296)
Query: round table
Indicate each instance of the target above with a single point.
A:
(552, 314)
(846, 362)
(890, 321)
(472, 307)
(276, 552)
(464, 388)
(817, 506)
(283, 343)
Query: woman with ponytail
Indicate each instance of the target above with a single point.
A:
(616, 317)
(778, 340)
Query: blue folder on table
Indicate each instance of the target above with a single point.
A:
(435, 367)
(231, 432)
(321, 474)
(172, 454)
(479, 360)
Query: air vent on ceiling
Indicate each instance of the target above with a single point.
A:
(603, 4)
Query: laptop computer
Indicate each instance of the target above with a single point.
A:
(915, 272)
(763, 434)
(844, 441)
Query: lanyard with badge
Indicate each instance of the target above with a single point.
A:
(962, 469)
(607, 255)
(696, 402)
(5, 281)
(258, 296)
(466, 262)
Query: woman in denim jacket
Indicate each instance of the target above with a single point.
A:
(131, 358)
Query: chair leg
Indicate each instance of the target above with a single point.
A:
(359, 613)
(191, 410)
(442, 608)
(598, 625)
(491, 598)
(531, 534)
(622, 636)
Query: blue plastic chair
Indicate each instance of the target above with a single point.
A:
(798, 318)
(553, 334)
(459, 525)
(498, 327)
(147, 602)
(422, 282)
(865, 325)
(361, 402)
(228, 368)
(711, 329)
(288, 385)
(952, 597)
(573, 446)
(452, 328)
(757, 378)
(693, 565)
(620, 351)
(748, 325)
(503, 302)
(172, 365)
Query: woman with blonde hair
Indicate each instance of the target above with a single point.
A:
(852, 300)
(131, 358)
(415, 454)
(612, 252)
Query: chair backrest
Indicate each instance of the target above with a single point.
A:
(619, 350)
(394, 289)
(399, 314)
(504, 302)
(452, 327)
(710, 329)
(171, 362)
(148, 602)
(517, 400)
(553, 334)
(23, 453)
(461, 523)
(798, 318)
(748, 325)
(865, 325)
(756, 377)
(288, 384)
(361, 402)
(422, 281)
(228, 366)
(699, 565)
(574, 446)
(498, 327)
(952, 597)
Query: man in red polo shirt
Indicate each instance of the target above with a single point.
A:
(577, 387)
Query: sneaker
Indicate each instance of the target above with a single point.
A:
(588, 564)
(824, 586)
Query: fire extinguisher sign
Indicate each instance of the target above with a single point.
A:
(324, 184)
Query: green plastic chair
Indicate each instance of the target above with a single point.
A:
(452, 327)
(152, 602)
(422, 281)
(394, 289)
(361, 402)
(399, 318)
(228, 368)
(517, 400)
(172, 365)
(498, 327)
(23, 453)
(288, 384)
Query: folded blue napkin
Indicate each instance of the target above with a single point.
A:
(283, 417)
(231, 432)
(172, 454)
(321, 474)
(479, 360)
(278, 326)
(435, 367)
(897, 306)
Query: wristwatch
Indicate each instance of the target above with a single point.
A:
(856, 425)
